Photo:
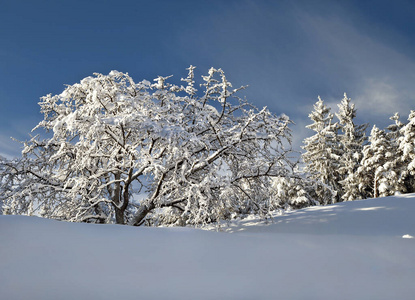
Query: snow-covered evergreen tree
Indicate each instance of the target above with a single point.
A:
(407, 148)
(2, 186)
(352, 141)
(194, 158)
(393, 132)
(300, 191)
(321, 150)
(291, 193)
(377, 173)
(394, 135)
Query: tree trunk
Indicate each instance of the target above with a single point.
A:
(142, 212)
(119, 216)
(375, 187)
(119, 212)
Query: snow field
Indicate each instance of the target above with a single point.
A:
(350, 250)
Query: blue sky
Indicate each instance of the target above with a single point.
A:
(288, 52)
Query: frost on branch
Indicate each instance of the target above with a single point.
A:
(192, 156)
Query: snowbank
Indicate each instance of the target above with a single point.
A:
(354, 250)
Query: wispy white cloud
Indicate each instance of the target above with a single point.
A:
(377, 75)
(380, 97)
(8, 147)
(18, 129)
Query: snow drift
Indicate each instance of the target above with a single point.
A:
(353, 250)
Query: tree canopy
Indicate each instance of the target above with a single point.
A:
(148, 153)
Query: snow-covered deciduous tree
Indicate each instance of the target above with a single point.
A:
(193, 156)
(352, 141)
(322, 149)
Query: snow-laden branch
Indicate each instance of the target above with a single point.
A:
(196, 159)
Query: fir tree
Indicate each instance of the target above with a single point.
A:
(321, 154)
(352, 140)
(393, 130)
(393, 135)
(407, 146)
(377, 174)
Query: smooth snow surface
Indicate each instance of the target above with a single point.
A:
(354, 250)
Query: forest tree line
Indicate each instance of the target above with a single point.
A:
(355, 166)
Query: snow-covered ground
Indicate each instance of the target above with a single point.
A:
(354, 250)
